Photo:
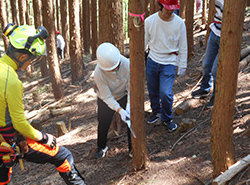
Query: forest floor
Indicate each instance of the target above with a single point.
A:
(186, 162)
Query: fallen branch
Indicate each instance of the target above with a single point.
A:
(244, 62)
(188, 133)
(232, 171)
(244, 52)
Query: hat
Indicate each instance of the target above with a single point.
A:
(170, 4)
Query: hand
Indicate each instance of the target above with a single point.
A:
(181, 71)
(48, 140)
(128, 108)
(124, 115)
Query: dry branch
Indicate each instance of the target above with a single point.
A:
(244, 62)
(232, 171)
(244, 52)
(61, 128)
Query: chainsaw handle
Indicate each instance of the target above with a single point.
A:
(6, 151)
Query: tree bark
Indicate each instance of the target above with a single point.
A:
(54, 68)
(65, 30)
(13, 5)
(86, 25)
(38, 22)
(3, 23)
(94, 28)
(204, 11)
(27, 13)
(22, 10)
(137, 80)
(76, 58)
(189, 14)
(226, 86)
(115, 24)
(211, 14)
(57, 16)
(103, 21)
(182, 9)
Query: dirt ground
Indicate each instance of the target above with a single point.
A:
(186, 162)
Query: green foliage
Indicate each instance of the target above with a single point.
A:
(125, 19)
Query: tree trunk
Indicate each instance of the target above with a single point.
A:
(27, 13)
(103, 21)
(76, 58)
(204, 12)
(3, 23)
(211, 14)
(189, 14)
(57, 16)
(86, 25)
(226, 86)
(146, 6)
(94, 28)
(22, 11)
(115, 24)
(54, 68)
(65, 29)
(7, 11)
(182, 9)
(137, 80)
(38, 22)
(13, 4)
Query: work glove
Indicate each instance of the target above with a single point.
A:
(124, 115)
(181, 71)
(128, 108)
(48, 140)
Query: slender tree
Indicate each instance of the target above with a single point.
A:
(182, 8)
(86, 25)
(22, 11)
(153, 7)
(137, 79)
(76, 58)
(54, 68)
(38, 22)
(94, 28)
(103, 37)
(3, 23)
(115, 24)
(226, 85)
(204, 11)
(7, 11)
(189, 14)
(13, 4)
(57, 16)
(211, 14)
(65, 30)
(27, 13)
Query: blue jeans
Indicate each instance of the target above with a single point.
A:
(210, 62)
(160, 80)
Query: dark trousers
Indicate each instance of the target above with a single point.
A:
(60, 53)
(105, 116)
(60, 156)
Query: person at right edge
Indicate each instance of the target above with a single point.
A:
(165, 32)
(211, 57)
(27, 45)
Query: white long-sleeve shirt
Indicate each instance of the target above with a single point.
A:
(216, 25)
(60, 42)
(165, 37)
(112, 86)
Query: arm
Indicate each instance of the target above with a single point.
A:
(182, 57)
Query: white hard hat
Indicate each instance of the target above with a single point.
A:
(108, 56)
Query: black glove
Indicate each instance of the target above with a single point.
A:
(48, 140)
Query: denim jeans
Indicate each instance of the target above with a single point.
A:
(210, 62)
(160, 80)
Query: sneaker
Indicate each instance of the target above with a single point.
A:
(171, 125)
(210, 104)
(199, 94)
(101, 152)
(153, 119)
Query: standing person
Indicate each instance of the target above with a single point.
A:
(166, 34)
(26, 46)
(60, 45)
(112, 81)
(211, 57)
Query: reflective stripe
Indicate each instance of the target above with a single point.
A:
(9, 174)
(41, 147)
(64, 167)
